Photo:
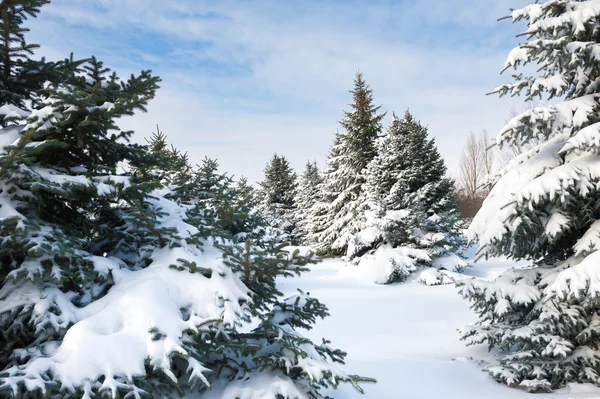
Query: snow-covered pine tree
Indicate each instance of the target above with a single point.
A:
(544, 206)
(319, 215)
(307, 196)
(57, 182)
(408, 202)
(274, 358)
(338, 215)
(278, 192)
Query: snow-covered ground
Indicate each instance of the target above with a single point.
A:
(404, 335)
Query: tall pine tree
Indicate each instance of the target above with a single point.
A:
(278, 192)
(339, 215)
(308, 195)
(545, 207)
(53, 176)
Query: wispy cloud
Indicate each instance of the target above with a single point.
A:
(245, 79)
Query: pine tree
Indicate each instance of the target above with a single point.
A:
(58, 193)
(408, 202)
(308, 195)
(339, 213)
(544, 207)
(53, 175)
(278, 192)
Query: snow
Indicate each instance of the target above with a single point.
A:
(9, 135)
(379, 266)
(450, 262)
(151, 299)
(404, 335)
(255, 386)
(8, 111)
(527, 181)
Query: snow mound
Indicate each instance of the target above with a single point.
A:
(265, 385)
(386, 264)
(433, 276)
(452, 263)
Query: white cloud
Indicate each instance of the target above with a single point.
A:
(298, 61)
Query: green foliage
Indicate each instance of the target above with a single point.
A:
(53, 178)
(259, 264)
(21, 78)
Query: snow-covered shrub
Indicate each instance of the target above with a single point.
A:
(544, 206)
(386, 264)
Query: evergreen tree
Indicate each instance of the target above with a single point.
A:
(544, 207)
(339, 214)
(52, 191)
(278, 192)
(320, 214)
(408, 201)
(308, 195)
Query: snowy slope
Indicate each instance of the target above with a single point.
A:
(405, 336)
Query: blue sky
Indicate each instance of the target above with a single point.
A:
(245, 79)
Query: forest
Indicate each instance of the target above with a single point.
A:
(129, 269)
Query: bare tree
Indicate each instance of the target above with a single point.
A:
(469, 166)
(480, 159)
(476, 164)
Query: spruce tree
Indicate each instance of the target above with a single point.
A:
(339, 214)
(408, 202)
(278, 192)
(307, 196)
(544, 207)
(52, 176)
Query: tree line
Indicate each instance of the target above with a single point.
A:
(379, 188)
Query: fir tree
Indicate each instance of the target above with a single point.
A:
(408, 200)
(339, 214)
(308, 195)
(278, 192)
(544, 207)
